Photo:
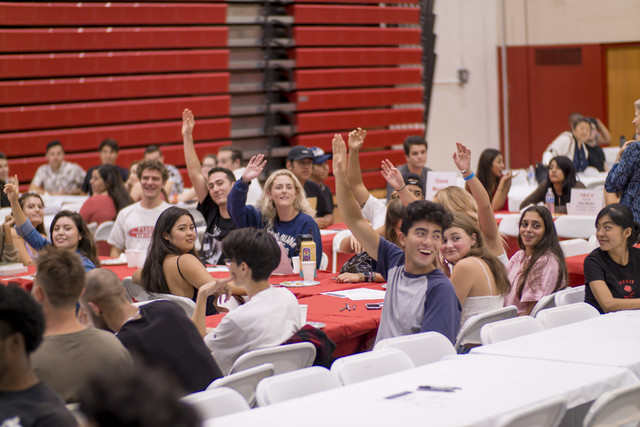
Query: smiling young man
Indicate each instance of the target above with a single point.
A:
(415, 151)
(211, 192)
(270, 317)
(134, 224)
(419, 297)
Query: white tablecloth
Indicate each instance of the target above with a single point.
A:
(490, 387)
(607, 340)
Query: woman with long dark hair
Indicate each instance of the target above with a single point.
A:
(109, 195)
(172, 265)
(561, 178)
(68, 230)
(611, 271)
(539, 268)
(490, 173)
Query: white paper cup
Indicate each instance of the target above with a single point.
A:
(295, 263)
(308, 270)
(135, 258)
(303, 313)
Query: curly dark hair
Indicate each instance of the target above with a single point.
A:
(424, 210)
(20, 313)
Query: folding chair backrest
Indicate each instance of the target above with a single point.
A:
(543, 303)
(422, 348)
(563, 315)
(574, 226)
(470, 330)
(570, 296)
(548, 414)
(103, 231)
(510, 225)
(294, 384)
(216, 403)
(185, 303)
(573, 247)
(615, 408)
(284, 358)
(245, 382)
(509, 328)
(371, 364)
(135, 292)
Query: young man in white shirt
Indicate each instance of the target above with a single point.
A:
(270, 317)
(134, 224)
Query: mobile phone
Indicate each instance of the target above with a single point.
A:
(373, 305)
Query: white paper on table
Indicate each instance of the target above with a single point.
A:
(217, 268)
(357, 294)
(327, 232)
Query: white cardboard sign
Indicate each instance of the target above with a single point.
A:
(437, 181)
(585, 202)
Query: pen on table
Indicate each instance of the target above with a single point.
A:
(354, 306)
(438, 388)
(348, 308)
(343, 309)
(402, 393)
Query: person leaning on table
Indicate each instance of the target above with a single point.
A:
(611, 271)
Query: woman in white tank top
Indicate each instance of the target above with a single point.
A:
(479, 278)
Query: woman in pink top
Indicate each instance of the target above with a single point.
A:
(109, 196)
(538, 269)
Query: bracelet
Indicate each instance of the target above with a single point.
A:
(401, 188)
(469, 177)
(464, 171)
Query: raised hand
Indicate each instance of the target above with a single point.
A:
(356, 138)
(11, 189)
(339, 156)
(392, 175)
(356, 247)
(188, 122)
(462, 157)
(254, 168)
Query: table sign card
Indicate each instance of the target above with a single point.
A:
(585, 202)
(439, 180)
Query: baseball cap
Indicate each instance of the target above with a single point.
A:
(299, 152)
(319, 156)
(413, 179)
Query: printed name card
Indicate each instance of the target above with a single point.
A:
(585, 202)
(439, 180)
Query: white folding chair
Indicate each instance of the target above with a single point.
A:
(103, 231)
(185, 303)
(337, 240)
(92, 226)
(295, 384)
(422, 348)
(470, 330)
(72, 206)
(570, 296)
(324, 261)
(558, 316)
(545, 414)
(575, 226)
(573, 247)
(509, 328)
(615, 408)
(593, 241)
(284, 358)
(543, 303)
(510, 225)
(216, 403)
(135, 292)
(245, 382)
(371, 364)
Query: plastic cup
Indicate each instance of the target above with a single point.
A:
(295, 263)
(303, 313)
(308, 270)
(135, 258)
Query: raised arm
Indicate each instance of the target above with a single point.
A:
(349, 209)
(500, 196)
(354, 173)
(243, 215)
(29, 233)
(604, 132)
(394, 178)
(462, 159)
(191, 157)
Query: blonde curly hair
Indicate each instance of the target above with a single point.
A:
(268, 208)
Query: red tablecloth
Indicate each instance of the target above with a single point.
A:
(575, 268)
